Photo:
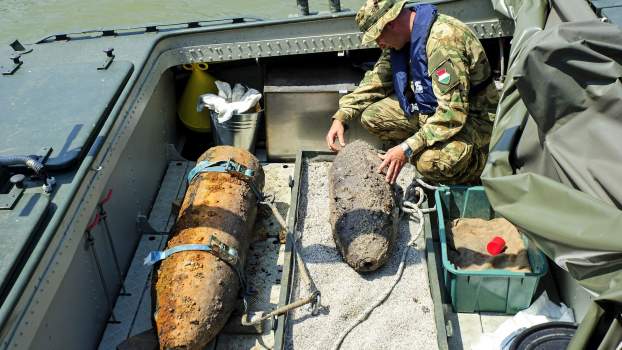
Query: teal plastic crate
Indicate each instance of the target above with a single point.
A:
(491, 290)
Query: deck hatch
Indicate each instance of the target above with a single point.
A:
(60, 106)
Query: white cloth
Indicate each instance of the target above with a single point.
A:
(237, 92)
(224, 90)
(229, 102)
(541, 311)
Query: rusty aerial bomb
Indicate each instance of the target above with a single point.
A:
(196, 291)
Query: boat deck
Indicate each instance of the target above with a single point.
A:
(409, 316)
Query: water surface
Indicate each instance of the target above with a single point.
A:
(30, 20)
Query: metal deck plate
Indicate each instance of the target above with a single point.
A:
(137, 284)
(134, 310)
(173, 188)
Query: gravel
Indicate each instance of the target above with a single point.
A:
(404, 321)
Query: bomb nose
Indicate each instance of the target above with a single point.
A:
(368, 264)
(368, 252)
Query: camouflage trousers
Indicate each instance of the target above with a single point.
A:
(457, 161)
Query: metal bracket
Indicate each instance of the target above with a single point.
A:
(495, 28)
(235, 167)
(229, 166)
(144, 227)
(7, 201)
(109, 58)
(223, 251)
(290, 181)
(16, 58)
(215, 247)
(172, 154)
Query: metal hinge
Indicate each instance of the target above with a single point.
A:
(17, 62)
(109, 58)
(15, 57)
(8, 200)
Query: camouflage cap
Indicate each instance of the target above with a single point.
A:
(374, 15)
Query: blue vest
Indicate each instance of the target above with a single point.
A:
(424, 100)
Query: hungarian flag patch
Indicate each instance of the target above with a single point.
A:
(443, 76)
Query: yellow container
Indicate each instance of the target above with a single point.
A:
(200, 83)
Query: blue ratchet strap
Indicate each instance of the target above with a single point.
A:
(226, 166)
(216, 248)
(230, 255)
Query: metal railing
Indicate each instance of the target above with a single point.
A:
(153, 28)
(303, 6)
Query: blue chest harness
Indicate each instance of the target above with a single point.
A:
(413, 59)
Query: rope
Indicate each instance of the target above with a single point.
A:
(414, 211)
(299, 262)
(412, 191)
(313, 298)
(426, 185)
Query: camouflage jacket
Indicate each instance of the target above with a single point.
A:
(452, 47)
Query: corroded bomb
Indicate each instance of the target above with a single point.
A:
(195, 292)
(363, 211)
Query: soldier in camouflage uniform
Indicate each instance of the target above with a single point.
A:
(449, 145)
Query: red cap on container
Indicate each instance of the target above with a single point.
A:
(496, 246)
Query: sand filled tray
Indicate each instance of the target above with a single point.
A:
(404, 321)
(469, 238)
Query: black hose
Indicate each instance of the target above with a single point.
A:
(28, 161)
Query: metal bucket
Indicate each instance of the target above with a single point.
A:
(239, 131)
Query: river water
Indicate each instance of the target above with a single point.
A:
(30, 20)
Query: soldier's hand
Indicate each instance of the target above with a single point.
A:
(336, 131)
(393, 161)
